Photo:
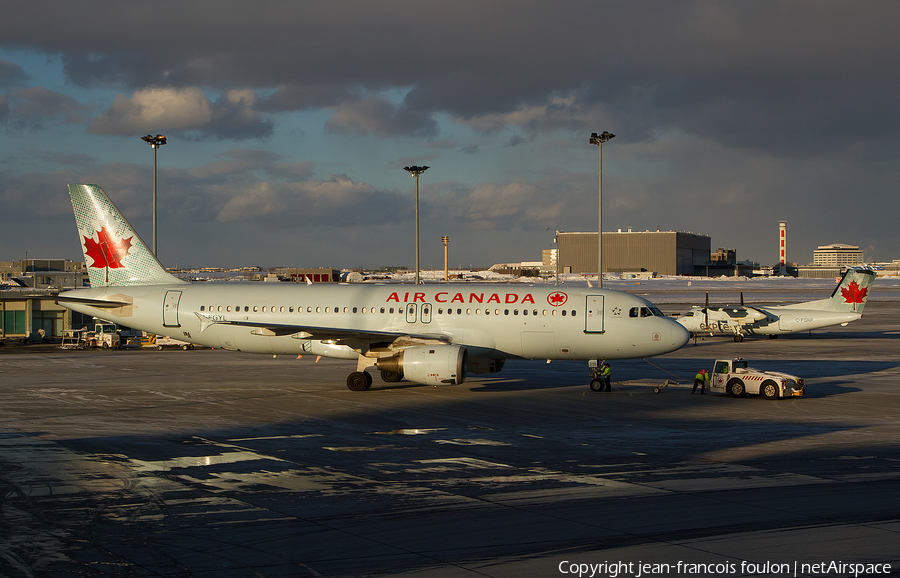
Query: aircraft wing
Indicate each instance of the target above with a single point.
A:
(314, 332)
(743, 314)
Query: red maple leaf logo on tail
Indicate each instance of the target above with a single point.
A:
(854, 293)
(106, 251)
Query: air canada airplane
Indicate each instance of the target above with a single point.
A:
(846, 304)
(426, 334)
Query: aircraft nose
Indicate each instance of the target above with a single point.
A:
(675, 336)
(680, 335)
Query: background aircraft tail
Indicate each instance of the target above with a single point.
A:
(114, 253)
(852, 292)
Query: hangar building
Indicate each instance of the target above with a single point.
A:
(663, 252)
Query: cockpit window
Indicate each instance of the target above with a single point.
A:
(645, 312)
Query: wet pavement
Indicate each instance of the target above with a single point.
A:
(218, 464)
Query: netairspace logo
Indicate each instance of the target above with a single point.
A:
(651, 570)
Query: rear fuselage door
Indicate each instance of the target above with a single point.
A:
(170, 309)
(593, 319)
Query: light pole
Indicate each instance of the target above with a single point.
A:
(416, 171)
(446, 241)
(155, 142)
(599, 139)
(556, 242)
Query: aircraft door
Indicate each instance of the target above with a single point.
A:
(593, 319)
(426, 312)
(411, 312)
(170, 309)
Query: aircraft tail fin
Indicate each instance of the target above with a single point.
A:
(114, 253)
(852, 292)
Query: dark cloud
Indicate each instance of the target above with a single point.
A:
(683, 60)
(377, 115)
(36, 107)
(11, 74)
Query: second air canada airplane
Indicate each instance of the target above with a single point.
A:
(427, 334)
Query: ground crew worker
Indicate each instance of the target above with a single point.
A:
(605, 373)
(702, 379)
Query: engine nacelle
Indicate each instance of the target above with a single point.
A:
(485, 365)
(429, 364)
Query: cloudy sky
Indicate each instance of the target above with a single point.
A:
(289, 124)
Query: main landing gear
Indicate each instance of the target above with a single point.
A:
(391, 376)
(362, 380)
(359, 381)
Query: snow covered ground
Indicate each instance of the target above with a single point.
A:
(722, 290)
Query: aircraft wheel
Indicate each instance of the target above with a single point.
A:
(597, 385)
(656, 390)
(738, 338)
(769, 389)
(773, 336)
(391, 376)
(736, 388)
(184, 347)
(159, 347)
(359, 381)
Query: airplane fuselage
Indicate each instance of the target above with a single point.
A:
(778, 321)
(491, 321)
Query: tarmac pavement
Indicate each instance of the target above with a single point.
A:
(210, 463)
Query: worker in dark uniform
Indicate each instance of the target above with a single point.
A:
(605, 373)
(701, 379)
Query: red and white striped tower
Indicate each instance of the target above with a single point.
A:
(782, 237)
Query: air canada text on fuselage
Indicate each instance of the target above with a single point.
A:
(448, 297)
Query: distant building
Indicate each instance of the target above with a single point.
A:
(724, 257)
(837, 255)
(663, 252)
(315, 275)
(25, 311)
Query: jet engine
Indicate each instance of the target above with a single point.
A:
(429, 364)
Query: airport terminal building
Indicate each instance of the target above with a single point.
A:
(663, 252)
